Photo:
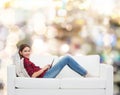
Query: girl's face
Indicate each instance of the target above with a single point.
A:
(26, 52)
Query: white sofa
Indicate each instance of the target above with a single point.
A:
(67, 82)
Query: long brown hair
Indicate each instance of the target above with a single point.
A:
(22, 46)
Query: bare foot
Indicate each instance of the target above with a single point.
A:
(88, 75)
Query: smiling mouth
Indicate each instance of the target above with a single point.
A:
(27, 55)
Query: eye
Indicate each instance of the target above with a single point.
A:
(28, 50)
(25, 50)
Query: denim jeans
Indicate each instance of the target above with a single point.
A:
(66, 60)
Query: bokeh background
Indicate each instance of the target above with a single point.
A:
(58, 27)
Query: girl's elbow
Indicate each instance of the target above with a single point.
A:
(33, 75)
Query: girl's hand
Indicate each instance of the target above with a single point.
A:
(41, 71)
(47, 67)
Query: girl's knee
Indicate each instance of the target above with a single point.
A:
(68, 56)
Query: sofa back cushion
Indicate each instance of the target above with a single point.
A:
(42, 60)
(90, 63)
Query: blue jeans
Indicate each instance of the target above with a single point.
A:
(66, 60)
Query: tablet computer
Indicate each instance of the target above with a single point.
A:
(52, 63)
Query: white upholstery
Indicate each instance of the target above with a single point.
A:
(67, 82)
(88, 62)
(41, 61)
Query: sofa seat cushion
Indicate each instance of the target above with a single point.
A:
(65, 83)
(83, 83)
(34, 83)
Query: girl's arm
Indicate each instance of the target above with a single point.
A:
(34, 75)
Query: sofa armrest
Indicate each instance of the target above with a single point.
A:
(10, 79)
(106, 72)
